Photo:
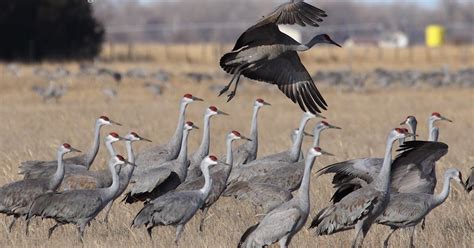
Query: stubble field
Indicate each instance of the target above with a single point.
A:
(31, 129)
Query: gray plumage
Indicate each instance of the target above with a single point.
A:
(87, 179)
(361, 207)
(178, 207)
(77, 207)
(247, 152)
(266, 54)
(282, 223)
(203, 150)
(41, 169)
(264, 165)
(158, 154)
(406, 210)
(219, 175)
(16, 197)
(153, 181)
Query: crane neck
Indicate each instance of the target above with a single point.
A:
(178, 134)
(382, 181)
(432, 129)
(206, 138)
(296, 147)
(438, 199)
(316, 134)
(58, 176)
(412, 129)
(206, 189)
(229, 157)
(254, 128)
(183, 153)
(303, 192)
(130, 155)
(110, 148)
(110, 192)
(94, 149)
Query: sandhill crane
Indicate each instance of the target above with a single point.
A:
(77, 207)
(360, 208)
(264, 53)
(406, 177)
(16, 197)
(406, 210)
(263, 165)
(470, 181)
(153, 181)
(411, 123)
(176, 208)
(203, 150)
(219, 175)
(434, 131)
(35, 169)
(77, 177)
(321, 126)
(282, 223)
(247, 152)
(166, 152)
(282, 175)
(109, 93)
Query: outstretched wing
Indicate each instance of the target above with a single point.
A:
(292, 79)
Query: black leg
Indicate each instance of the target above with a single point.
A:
(51, 230)
(10, 227)
(236, 75)
(232, 93)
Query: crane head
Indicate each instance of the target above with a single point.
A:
(212, 110)
(66, 148)
(260, 103)
(190, 98)
(104, 120)
(190, 125)
(133, 136)
(435, 116)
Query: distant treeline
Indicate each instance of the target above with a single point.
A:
(35, 30)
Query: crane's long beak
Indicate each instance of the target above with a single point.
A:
(307, 134)
(327, 153)
(266, 103)
(221, 113)
(410, 135)
(144, 139)
(115, 123)
(334, 43)
(74, 149)
(445, 119)
(197, 99)
(334, 127)
(122, 138)
(402, 123)
(195, 127)
(130, 163)
(245, 138)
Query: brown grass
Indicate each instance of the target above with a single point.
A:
(31, 129)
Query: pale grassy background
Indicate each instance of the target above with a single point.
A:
(31, 129)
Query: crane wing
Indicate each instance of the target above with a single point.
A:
(346, 213)
(294, 12)
(276, 224)
(292, 79)
(405, 208)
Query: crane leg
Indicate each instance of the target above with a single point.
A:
(27, 226)
(149, 231)
(51, 230)
(80, 229)
(423, 224)
(179, 231)
(412, 234)
(107, 211)
(203, 218)
(385, 243)
(10, 226)
(236, 75)
(232, 93)
(362, 230)
(283, 242)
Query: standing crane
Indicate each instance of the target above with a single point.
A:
(219, 175)
(16, 197)
(360, 208)
(156, 180)
(166, 152)
(266, 54)
(434, 131)
(265, 164)
(282, 223)
(36, 169)
(351, 174)
(88, 179)
(406, 210)
(176, 208)
(203, 150)
(411, 123)
(77, 207)
(247, 152)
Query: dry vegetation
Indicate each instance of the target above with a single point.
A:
(31, 129)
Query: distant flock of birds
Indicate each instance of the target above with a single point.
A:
(174, 184)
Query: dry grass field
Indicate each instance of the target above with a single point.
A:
(31, 129)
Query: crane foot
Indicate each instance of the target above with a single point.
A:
(230, 96)
(224, 90)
